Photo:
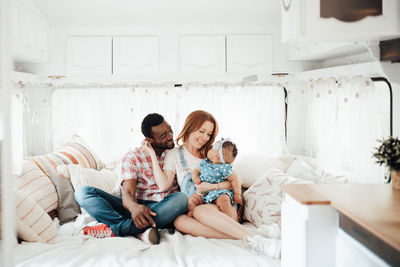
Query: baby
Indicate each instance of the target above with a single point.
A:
(217, 168)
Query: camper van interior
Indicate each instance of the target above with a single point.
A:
(307, 90)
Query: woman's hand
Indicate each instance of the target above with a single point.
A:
(204, 187)
(148, 149)
(195, 176)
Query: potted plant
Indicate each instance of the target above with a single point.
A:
(388, 153)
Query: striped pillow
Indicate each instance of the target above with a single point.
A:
(74, 152)
(33, 223)
(35, 184)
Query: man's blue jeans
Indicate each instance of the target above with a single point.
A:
(108, 209)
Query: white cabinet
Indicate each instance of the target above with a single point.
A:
(135, 55)
(29, 33)
(202, 54)
(249, 54)
(324, 50)
(308, 234)
(89, 55)
(339, 20)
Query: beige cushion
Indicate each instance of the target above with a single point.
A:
(33, 223)
(103, 179)
(250, 167)
(263, 199)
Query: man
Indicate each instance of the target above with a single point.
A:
(143, 207)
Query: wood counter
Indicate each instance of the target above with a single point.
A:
(368, 212)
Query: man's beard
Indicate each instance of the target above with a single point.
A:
(163, 146)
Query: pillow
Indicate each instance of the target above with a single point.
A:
(35, 184)
(263, 199)
(75, 152)
(33, 223)
(250, 167)
(288, 159)
(103, 179)
(301, 170)
(118, 174)
(335, 178)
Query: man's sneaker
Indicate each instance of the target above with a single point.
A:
(150, 236)
(171, 231)
(99, 231)
(267, 246)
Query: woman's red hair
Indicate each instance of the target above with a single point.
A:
(193, 122)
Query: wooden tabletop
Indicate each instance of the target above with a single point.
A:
(375, 207)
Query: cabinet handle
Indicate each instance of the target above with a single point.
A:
(287, 5)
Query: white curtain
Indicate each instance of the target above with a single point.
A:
(343, 126)
(109, 119)
(17, 130)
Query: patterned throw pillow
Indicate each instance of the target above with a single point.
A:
(75, 152)
(33, 223)
(263, 199)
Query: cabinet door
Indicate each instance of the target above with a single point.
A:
(292, 25)
(41, 38)
(14, 26)
(26, 32)
(29, 33)
(135, 55)
(202, 54)
(89, 55)
(368, 27)
(169, 55)
(249, 54)
(355, 20)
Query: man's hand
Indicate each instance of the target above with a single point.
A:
(141, 216)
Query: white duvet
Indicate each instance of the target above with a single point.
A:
(174, 250)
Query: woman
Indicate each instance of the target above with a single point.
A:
(197, 136)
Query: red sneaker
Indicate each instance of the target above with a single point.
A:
(98, 231)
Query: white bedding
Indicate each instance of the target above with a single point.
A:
(174, 250)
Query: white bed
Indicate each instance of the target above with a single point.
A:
(174, 250)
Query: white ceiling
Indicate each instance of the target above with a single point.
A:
(119, 13)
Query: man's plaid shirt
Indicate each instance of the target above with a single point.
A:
(137, 165)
